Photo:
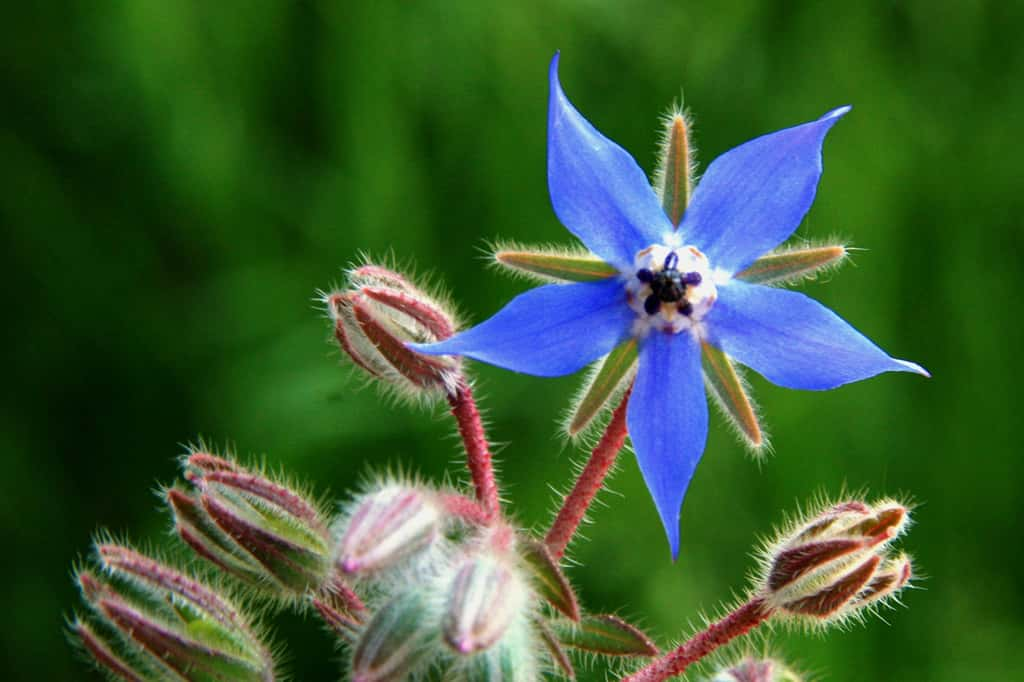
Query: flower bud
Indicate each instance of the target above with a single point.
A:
(148, 621)
(835, 561)
(485, 596)
(756, 670)
(386, 527)
(396, 641)
(378, 316)
(512, 659)
(253, 527)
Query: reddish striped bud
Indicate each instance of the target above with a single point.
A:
(147, 621)
(378, 316)
(485, 596)
(255, 528)
(386, 527)
(835, 561)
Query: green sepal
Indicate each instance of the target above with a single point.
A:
(674, 178)
(555, 265)
(608, 635)
(604, 383)
(791, 265)
(728, 390)
(558, 654)
(549, 580)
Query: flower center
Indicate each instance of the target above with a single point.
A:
(673, 288)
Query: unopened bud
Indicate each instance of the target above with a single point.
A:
(829, 565)
(512, 659)
(149, 621)
(396, 641)
(756, 670)
(484, 598)
(378, 316)
(388, 526)
(890, 578)
(255, 528)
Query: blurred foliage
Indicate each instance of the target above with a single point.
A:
(180, 177)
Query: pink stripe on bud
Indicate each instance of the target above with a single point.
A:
(102, 654)
(386, 527)
(830, 600)
(142, 569)
(423, 312)
(271, 492)
(484, 598)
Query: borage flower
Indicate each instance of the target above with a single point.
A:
(680, 285)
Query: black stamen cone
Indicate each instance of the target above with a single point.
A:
(652, 304)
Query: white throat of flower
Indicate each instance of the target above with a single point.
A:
(671, 289)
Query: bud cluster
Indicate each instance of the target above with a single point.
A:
(834, 563)
(148, 621)
(377, 315)
(250, 526)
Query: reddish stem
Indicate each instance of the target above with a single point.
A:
(739, 622)
(589, 483)
(478, 454)
(465, 508)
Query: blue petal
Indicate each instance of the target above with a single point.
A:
(548, 331)
(598, 191)
(753, 197)
(793, 340)
(668, 421)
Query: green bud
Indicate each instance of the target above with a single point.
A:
(397, 641)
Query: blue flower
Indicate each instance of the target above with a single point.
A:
(676, 289)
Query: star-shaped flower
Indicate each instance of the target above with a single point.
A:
(673, 289)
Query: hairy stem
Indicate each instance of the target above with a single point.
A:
(466, 509)
(589, 483)
(478, 454)
(738, 623)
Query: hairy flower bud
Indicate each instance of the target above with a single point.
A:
(756, 670)
(378, 316)
(485, 596)
(834, 562)
(149, 621)
(396, 641)
(251, 526)
(512, 659)
(386, 527)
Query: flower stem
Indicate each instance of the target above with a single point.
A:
(589, 483)
(739, 622)
(466, 509)
(478, 454)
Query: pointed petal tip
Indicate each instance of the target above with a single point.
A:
(838, 112)
(553, 69)
(671, 534)
(908, 366)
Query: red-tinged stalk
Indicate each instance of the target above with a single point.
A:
(478, 453)
(738, 623)
(590, 481)
(340, 622)
(466, 509)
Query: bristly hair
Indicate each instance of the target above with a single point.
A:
(492, 251)
(668, 119)
(759, 452)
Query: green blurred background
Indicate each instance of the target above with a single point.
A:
(179, 177)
